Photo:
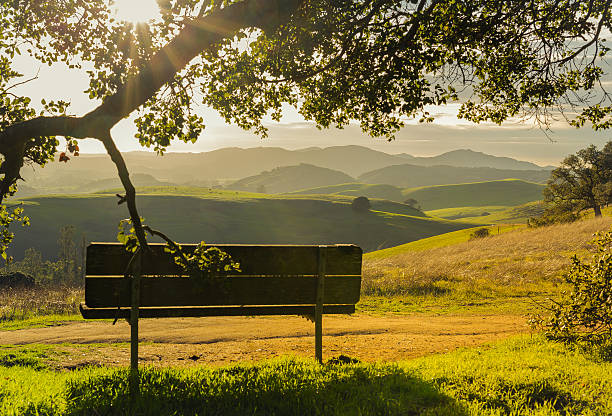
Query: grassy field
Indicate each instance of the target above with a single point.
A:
(509, 192)
(492, 214)
(520, 376)
(390, 192)
(229, 217)
(41, 306)
(509, 271)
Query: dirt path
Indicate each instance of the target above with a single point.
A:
(219, 341)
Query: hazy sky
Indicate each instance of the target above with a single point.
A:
(518, 140)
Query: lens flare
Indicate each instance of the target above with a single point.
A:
(136, 11)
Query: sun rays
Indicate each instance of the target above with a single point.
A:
(136, 11)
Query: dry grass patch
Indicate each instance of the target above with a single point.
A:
(519, 263)
(22, 304)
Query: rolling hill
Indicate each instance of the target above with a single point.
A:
(491, 214)
(222, 166)
(471, 159)
(228, 217)
(390, 192)
(508, 192)
(407, 175)
(290, 178)
(207, 168)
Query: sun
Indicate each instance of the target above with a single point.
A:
(136, 11)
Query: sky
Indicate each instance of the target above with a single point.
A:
(519, 140)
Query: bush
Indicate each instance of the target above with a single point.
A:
(583, 316)
(413, 203)
(361, 204)
(480, 233)
(552, 217)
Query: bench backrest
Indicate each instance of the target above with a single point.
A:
(270, 275)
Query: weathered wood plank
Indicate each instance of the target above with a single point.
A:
(179, 312)
(184, 291)
(112, 259)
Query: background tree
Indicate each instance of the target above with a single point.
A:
(374, 61)
(361, 204)
(69, 257)
(413, 203)
(582, 181)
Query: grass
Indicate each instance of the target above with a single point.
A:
(442, 240)
(390, 192)
(516, 265)
(466, 213)
(508, 192)
(295, 220)
(520, 376)
(42, 306)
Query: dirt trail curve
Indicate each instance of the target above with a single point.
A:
(218, 341)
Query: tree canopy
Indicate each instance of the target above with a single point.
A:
(582, 181)
(376, 62)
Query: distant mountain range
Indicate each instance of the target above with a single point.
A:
(408, 175)
(224, 166)
(290, 178)
(471, 159)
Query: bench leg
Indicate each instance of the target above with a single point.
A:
(318, 336)
(318, 318)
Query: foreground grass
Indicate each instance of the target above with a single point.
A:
(521, 376)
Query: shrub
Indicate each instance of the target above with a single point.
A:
(413, 203)
(583, 316)
(552, 217)
(480, 233)
(361, 204)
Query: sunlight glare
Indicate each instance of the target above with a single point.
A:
(136, 11)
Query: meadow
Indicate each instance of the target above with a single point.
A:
(527, 375)
(229, 217)
(512, 271)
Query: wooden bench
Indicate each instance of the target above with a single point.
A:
(273, 280)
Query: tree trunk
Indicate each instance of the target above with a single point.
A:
(597, 210)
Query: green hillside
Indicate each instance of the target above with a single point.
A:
(290, 178)
(507, 192)
(390, 192)
(408, 175)
(223, 194)
(437, 241)
(491, 214)
(227, 218)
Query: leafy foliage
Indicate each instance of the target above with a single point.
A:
(7, 217)
(582, 181)
(361, 204)
(203, 262)
(584, 315)
(480, 233)
(377, 62)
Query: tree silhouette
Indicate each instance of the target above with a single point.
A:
(582, 181)
(373, 61)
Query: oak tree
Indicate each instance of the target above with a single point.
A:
(582, 181)
(376, 62)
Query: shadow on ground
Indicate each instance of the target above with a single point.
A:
(283, 387)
